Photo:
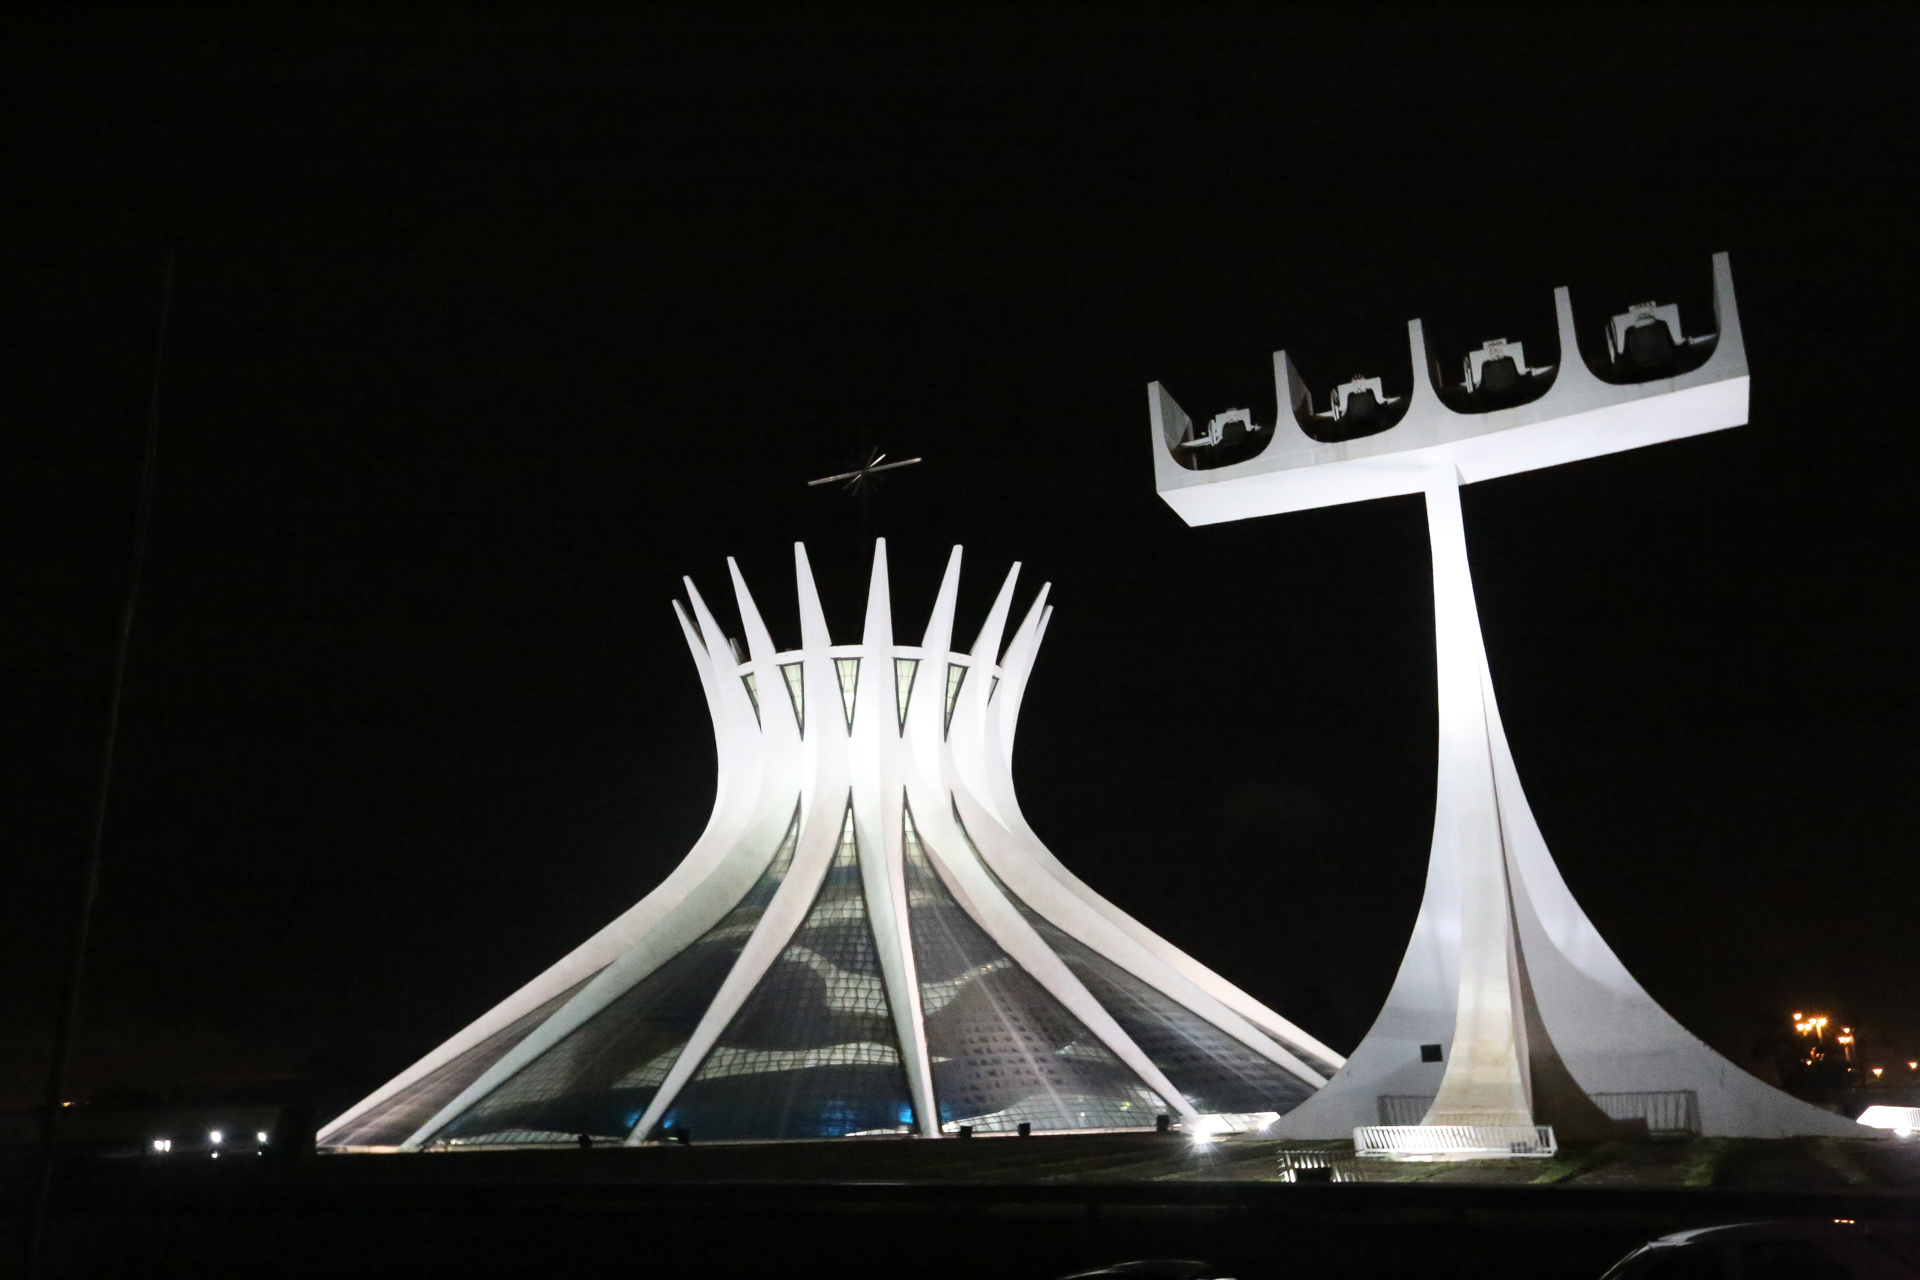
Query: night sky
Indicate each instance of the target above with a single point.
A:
(491, 322)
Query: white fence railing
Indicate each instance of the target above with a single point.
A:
(1454, 1141)
(1320, 1165)
(1670, 1113)
(1902, 1120)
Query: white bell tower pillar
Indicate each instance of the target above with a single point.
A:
(1486, 1080)
(1510, 1022)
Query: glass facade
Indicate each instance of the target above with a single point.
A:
(395, 1120)
(1005, 1051)
(796, 692)
(805, 1043)
(599, 1077)
(848, 669)
(955, 674)
(1212, 1070)
(813, 1053)
(904, 669)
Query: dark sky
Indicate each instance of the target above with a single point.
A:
(491, 322)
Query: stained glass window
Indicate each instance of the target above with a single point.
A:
(904, 669)
(1004, 1050)
(1212, 1070)
(599, 1077)
(796, 692)
(955, 674)
(395, 1120)
(753, 694)
(813, 1053)
(848, 670)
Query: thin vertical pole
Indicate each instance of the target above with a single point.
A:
(90, 891)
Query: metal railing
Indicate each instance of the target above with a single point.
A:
(1670, 1113)
(1320, 1166)
(1454, 1141)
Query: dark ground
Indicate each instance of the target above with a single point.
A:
(1026, 1210)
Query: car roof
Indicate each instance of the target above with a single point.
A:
(1775, 1230)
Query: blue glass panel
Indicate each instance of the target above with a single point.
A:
(600, 1076)
(1004, 1050)
(394, 1121)
(1212, 1070)
(813, 1053)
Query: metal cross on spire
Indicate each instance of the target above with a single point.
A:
(860, 480)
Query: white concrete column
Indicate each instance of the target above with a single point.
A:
(1486, 1080)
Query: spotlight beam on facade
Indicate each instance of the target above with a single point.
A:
(1510, 1017)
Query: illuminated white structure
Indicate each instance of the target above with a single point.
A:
(867, 938)
(1903, 1121)
(1510, 1017)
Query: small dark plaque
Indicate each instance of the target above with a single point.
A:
(1429, 1053)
